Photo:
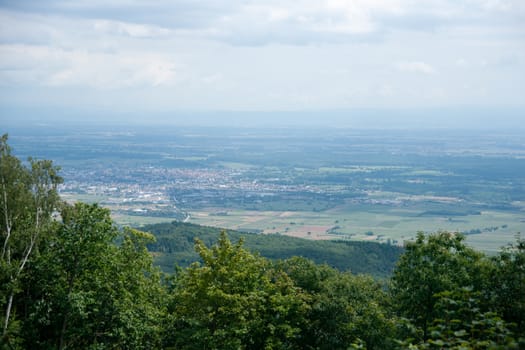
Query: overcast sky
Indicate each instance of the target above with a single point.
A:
(157, 57)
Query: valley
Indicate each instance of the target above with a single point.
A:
(330, 184)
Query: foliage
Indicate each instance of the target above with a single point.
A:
(174, 245)
(28, 196)
(344, 308)
(464, 326)
(453, 297)
(508, 284)
(235, 300)
(432, 264)
(88, 292)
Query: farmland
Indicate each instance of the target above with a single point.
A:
(344, 184)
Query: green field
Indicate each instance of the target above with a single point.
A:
(137, 221)
(395, 225)
(87, 198)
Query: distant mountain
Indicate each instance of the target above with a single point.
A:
(175, 241)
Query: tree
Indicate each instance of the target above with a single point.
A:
(508, 284)
(234, 300)
(463, 325)
(28, 197)
(89, 292)
(139, 295)
(431, 265)
(345, 309)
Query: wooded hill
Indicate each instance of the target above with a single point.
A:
(175, 243)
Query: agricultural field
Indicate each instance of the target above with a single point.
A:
(332, 184)
(386, 225)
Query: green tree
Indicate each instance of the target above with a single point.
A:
(507, 289)
(463, 325)
(28, 197)
(139, 296)
(88, 292)
(433, 264)
(234, 300)
(345, 309)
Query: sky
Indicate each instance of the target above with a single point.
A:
(210, 60)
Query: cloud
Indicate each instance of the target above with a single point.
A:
(238, 22)
(264, 54)
(23, 28)
(129, 29)
(164, 13)
(461, 62)
(250, 22)
(301, 22)
(48, 66)
(416, 67)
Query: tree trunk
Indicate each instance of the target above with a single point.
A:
(63, 332)
(8, 312)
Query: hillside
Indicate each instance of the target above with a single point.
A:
(175, 245)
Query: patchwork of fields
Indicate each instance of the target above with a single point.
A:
(343, 184)
(388, 225)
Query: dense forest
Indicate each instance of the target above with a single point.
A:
(174, 242)
(72, 279)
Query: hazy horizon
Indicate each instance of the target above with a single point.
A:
(417, 119)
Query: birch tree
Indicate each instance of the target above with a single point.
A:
(94, 286)
(28, 197)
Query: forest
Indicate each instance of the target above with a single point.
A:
(174, 243)
(70, 278)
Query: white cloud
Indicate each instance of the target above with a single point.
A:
(461, 62)
(416, 67)
(514, 6)
(301, 21)
(266, 54)
(213, 78)
(129, 29)
(47, 66)
(296, 22)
